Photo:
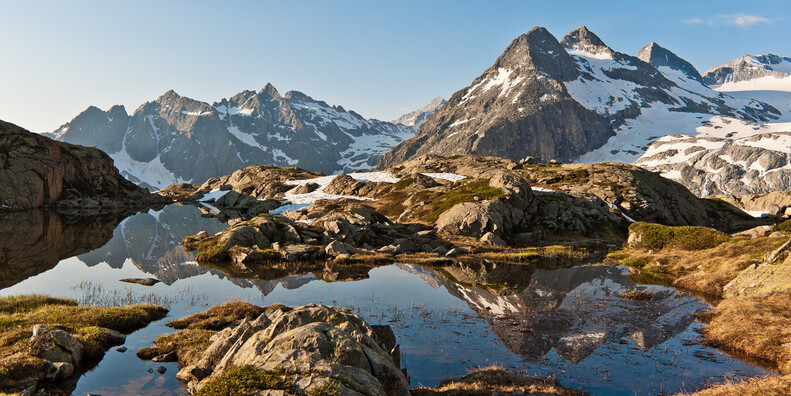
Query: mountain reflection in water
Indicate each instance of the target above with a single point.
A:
(567, 323)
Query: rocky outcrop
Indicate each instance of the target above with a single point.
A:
(772, 275)
(775, 203)
(580, 191)
(38, 172)
(576, 99)
(311, 348)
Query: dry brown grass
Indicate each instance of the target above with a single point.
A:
(759, 327)
(220, 316)
(704, 271)
(18, 314)
(188, 344)
(485, 381)
(767, 386)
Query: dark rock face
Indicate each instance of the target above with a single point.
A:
(40, 172)
(178, 139)
(561, 100)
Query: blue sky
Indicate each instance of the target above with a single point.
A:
(380, 59)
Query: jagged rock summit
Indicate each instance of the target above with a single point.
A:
(573, 100)
(659, 57)
(177, 139)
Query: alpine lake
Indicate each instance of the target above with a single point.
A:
(569, 324)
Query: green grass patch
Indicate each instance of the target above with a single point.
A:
(404, 182)
(783, 227)
(638, 295)
(245, 380)
(658, 237)
(220, 316)
(466, 193)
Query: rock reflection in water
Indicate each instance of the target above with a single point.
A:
(152, 241)
(573, 310)
(34, 241)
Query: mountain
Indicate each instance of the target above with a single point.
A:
(416, 118)
(177, 139)
(574, 100)
(732, 156)
(752, 72)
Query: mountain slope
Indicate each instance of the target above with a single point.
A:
(416, 118)
(751, 72)
(177, 139)
(573, 100)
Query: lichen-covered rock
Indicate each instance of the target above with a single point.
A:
(313, 347)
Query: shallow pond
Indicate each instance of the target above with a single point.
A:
(566, 323)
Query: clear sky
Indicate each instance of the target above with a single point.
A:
(378, 58)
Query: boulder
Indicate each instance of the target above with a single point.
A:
(314, 347)
(306, 188)
(491, 239)
(335, 249)
(477, 218)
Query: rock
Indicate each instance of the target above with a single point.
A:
(344, 184)
(59, 370)
(161, 370)
(491, 239)
(306, 188)
(757, 232)
(122, 349)
(441, 250)
(56, 346)
(477, 218)
(339, 349)
(246, 236)
(141, 281)
(166, 358)
(528, 160)
(456, 251)
(47, 173)
(300, 252)
(389, 249)
(525, 238)
(335, 249)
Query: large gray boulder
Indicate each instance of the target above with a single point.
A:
(314, 347)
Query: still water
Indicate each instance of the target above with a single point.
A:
(568, 323)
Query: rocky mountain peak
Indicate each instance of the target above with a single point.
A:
(298, 96)
(659, 56)
(539, 50)
(582, 39)
(269, 91)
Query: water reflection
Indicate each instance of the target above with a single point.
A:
(567, 323)
(34, 241)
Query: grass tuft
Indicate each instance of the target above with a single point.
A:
(658, 237)
(245, 380)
